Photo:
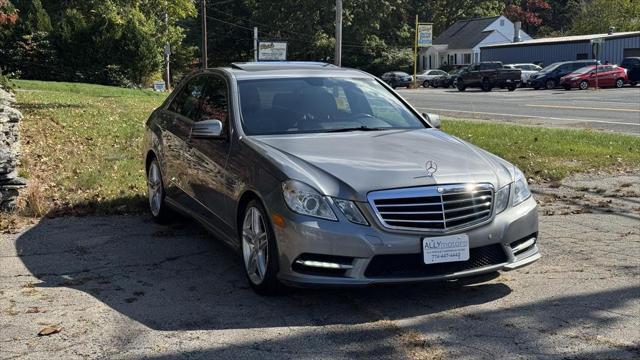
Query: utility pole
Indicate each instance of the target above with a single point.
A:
(204, 34)
(415, 55)
(255, 44)
(167, 54)
(338, 60)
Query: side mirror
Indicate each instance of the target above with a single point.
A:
(592, 74)
(433, 119)
(207, 129)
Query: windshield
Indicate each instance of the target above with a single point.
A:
(317, 105)
(585, 70)
(550, 67)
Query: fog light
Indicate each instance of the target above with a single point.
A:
(323, 264)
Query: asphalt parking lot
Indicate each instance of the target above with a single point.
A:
(124, 288)
(605, 109)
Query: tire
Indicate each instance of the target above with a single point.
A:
(256, 227)
(550, 84)
(584, 85)
(460, 86)
(156, 194)
(633, 83)
(435, 86)
(512, 88)
(486, 85)
(619, 83)
(425, 84)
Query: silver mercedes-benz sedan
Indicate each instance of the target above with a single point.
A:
(320, 175)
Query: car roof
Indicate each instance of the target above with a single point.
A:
(280, 69)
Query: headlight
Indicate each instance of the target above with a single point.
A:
(502, 199)
(574, 78)
(350, 211)
(305, 200)
(521, 188)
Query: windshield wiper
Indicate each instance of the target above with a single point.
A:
(358, 128)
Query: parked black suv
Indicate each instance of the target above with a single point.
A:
(487, 75)
(632, 64)
(549, 77)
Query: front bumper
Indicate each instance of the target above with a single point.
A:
(356, 246)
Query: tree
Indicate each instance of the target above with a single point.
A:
(529, 13)
(8, 14)
(34, 18)
(599, 15)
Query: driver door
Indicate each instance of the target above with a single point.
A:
(209, 183)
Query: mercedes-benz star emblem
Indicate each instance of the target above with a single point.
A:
(431, 167)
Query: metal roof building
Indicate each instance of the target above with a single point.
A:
(546, 51)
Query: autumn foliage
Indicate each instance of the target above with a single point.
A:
(528, 11)
(8, 14)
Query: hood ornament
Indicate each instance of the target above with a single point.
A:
(431, 167)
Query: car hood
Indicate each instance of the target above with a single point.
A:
(359, 162)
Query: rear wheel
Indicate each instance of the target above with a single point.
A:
(156, 193)
(259, 250)
(550, 84)
(619, 83)
(584, 85)
(460, 85)
(512, 88)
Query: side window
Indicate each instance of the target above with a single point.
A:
(215, 105)
(187, 102)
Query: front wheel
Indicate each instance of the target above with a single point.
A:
(425, 84)
(619, 83)
(512, 88)
(550, 84)
(584, 85)
(259, 250)
(460, 86)
(486, 85)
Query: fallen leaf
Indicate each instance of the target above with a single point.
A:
(49, 330)
(34, 310)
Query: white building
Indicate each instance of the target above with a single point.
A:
(460, 44)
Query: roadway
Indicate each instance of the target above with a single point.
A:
(615, 110)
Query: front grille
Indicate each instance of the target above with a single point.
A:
(412, 265)
(433, 208)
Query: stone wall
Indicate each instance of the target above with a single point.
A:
(10, 183)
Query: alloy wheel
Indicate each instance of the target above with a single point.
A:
(584, 85)
(550, 84)
(619, 83)
(255, 245)
(155, 188)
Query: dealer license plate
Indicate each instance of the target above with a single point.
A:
(444, 249)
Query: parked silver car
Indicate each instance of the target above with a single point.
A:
(527, 71)
(320, 175)
(427, 77)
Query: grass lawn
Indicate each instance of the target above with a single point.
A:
(82, 146)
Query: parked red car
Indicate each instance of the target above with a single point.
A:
(583, 78)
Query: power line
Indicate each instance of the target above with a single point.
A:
(291, 34)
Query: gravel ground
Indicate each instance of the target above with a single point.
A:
(125, 288)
